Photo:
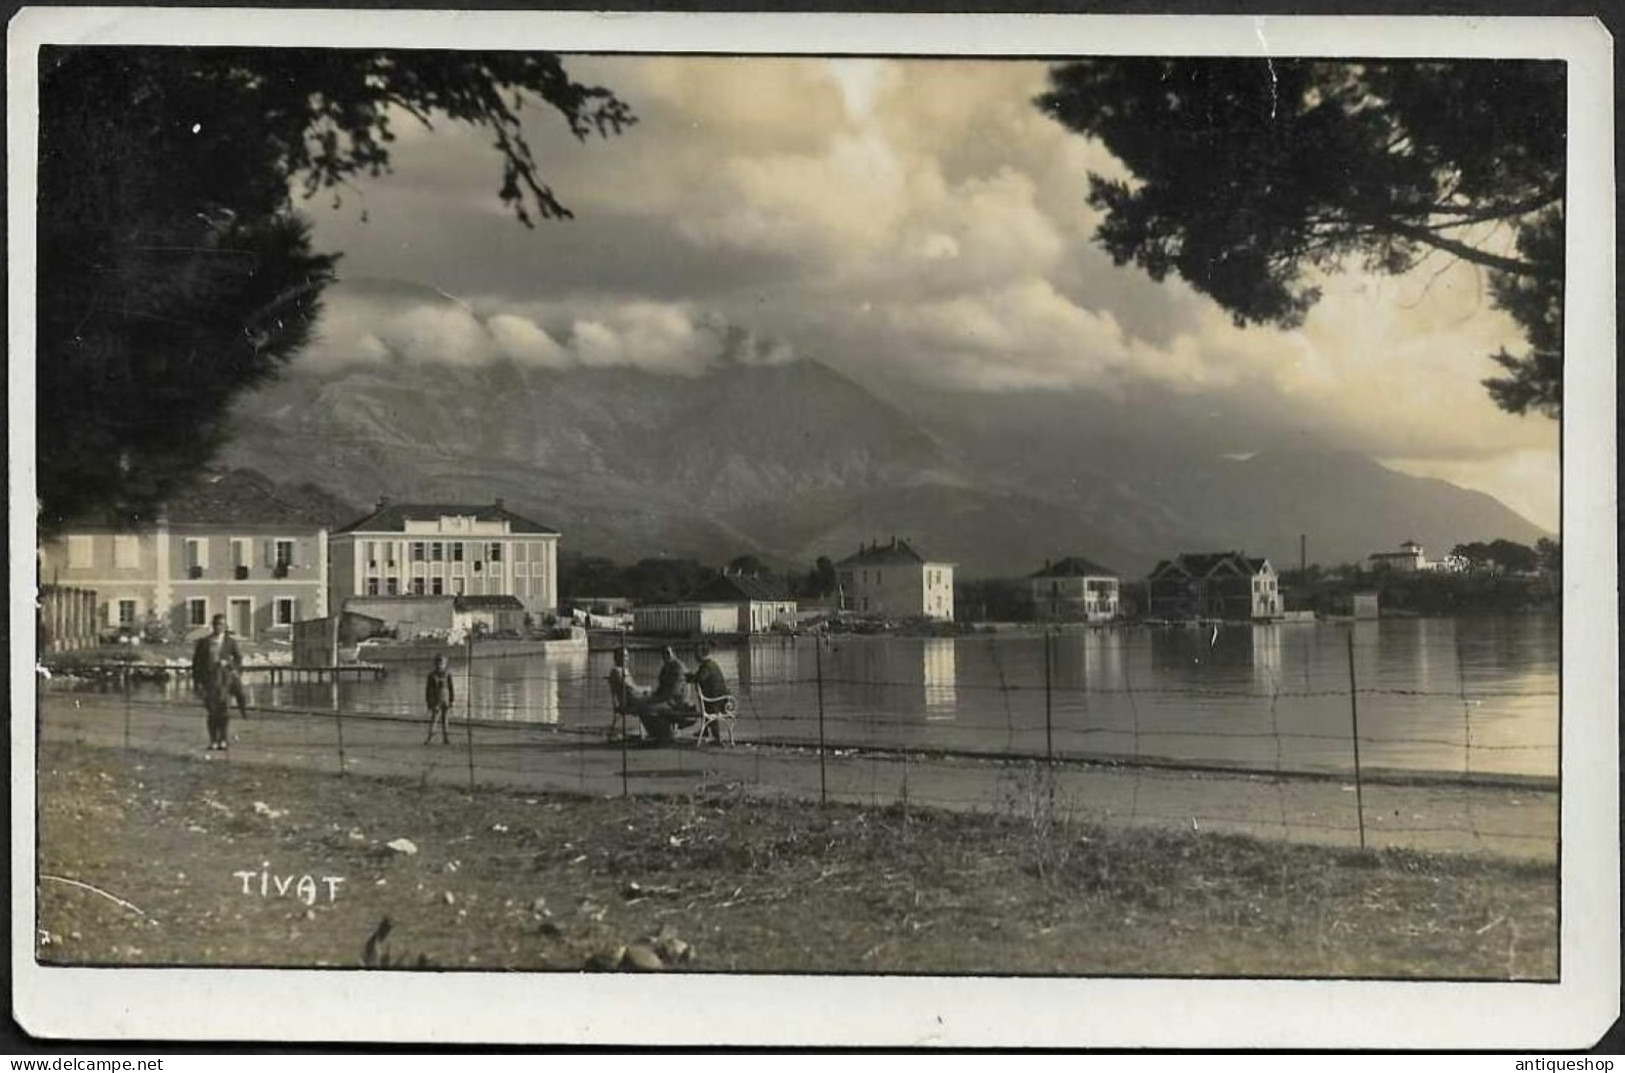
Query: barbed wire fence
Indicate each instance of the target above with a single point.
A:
(1128, 748)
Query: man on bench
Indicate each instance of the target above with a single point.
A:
(662, 712)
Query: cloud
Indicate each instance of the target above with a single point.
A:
(378, 322)
(911, 221)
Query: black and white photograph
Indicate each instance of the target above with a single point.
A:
(919, 530)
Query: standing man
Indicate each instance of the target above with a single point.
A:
(215, 663)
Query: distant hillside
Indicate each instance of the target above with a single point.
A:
(794, 461)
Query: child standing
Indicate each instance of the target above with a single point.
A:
(439, 695)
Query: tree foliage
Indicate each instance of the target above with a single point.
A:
(1250, 174)
(1498, 556)
(173, 272)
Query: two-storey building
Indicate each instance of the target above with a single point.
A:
(1223, 584)
(1409, 559)
(896, 580)
(432, 549)
(1075, 590)
(231, 544)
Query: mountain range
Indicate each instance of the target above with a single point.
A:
(795, 460)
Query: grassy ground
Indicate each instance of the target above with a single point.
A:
(716, 882)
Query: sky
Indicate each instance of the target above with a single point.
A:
(916, 224)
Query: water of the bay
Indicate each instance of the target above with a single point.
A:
(1476, 695)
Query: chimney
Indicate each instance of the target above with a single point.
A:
(383, 501)
(499, 502)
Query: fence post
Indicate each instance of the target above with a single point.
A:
(338, 722)
(626, 790)
(818, 663)
(468, 711)
(1354, 716)
(1049, 731)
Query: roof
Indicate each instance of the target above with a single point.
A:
(487, 603)
(1076, 566)
(390, 517)
(897, 553)
(735, 587)
(246, 497)
(1203, 564)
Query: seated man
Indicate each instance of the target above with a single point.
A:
(710, 681)
(661, 711)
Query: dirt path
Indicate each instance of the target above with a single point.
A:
(1511, 821)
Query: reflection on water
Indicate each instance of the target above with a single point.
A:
(1441, 694)
(937, 668)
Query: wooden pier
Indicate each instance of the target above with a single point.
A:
(353, 671)
(275, 674)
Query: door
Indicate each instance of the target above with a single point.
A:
(241, 617)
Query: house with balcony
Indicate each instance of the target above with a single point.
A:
(1075, 589)
(895, 581)
(233, 544)
(1221, 584)
(446, 549)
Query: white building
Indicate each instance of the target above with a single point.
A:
(897, 581)
(427, 549)
(232, 544)
(1409, 559)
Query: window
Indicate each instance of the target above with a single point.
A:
(520, 552)
(126, 552)
(457, 551)
(372, 586)
(437, 586)
(197, 556)
(456, 586)
(126, 612)
(417, 551)
(372, 553)
(389, 552)
(392, 587)
(81, 551)
(197, 611)
(417, 586)
(437, 552)
(286, 606)
(240, 558)
(496, 552)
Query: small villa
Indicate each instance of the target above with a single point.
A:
(1075, 590)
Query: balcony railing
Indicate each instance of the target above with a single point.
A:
(240, 573)
(280, 570)
(194, 572)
